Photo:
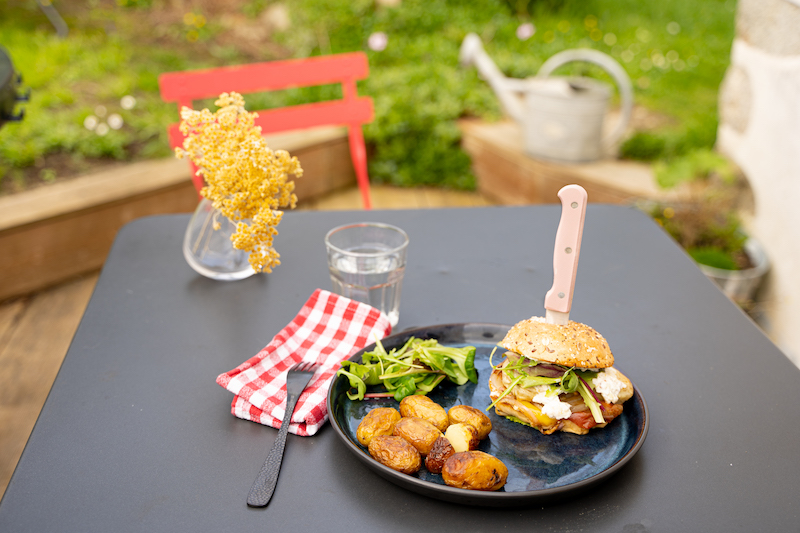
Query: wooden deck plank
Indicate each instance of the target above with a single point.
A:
(343, 200)
(30, 359)
(10, 313)
(17, 423)
(397, 198)
(37, 345)
(446, 198)
(388, 197)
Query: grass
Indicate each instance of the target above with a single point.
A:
(675, 51)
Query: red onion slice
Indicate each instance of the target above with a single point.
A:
(593, 393)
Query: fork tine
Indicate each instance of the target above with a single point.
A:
(304, 366)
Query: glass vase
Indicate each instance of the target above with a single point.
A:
(210, 251)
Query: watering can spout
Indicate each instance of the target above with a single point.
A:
(472, 53)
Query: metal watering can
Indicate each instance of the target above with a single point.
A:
(562, 118)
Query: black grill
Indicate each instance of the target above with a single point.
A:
(10, 94)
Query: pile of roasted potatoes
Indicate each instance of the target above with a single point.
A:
(447, 440)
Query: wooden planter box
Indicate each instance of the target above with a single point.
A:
(56, 232)
(509, 176)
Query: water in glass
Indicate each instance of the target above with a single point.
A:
(373, 279)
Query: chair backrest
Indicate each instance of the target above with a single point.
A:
(351, 110)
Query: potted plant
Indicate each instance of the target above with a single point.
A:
(707, 222)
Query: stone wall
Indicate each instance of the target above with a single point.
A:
(760, 130)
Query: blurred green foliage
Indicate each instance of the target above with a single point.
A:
(696, 165)
(675, 51)
(713, 257)
(710, 235)
(705, 223)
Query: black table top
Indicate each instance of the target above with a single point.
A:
(137, 436)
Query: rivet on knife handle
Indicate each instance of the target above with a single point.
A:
(558, 300)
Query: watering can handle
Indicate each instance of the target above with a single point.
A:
(609, 65)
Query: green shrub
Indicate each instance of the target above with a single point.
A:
(643, 146)
(713, 257)
(697, 165)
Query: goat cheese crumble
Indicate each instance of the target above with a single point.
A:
(551, 405)
(608, 384)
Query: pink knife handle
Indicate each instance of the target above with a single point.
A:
(567, 248)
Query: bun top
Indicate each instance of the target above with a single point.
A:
(574, 345)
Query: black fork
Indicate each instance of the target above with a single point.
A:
(264, 486)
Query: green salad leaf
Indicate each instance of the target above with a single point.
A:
(415, 368)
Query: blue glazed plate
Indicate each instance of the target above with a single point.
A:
(541, 467)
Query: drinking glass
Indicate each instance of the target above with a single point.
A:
(367, 262)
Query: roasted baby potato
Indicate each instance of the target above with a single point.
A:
(474, 470)
(463, 437)
(379, 421)
(464, 414)
(396, 453)
(440, 452)
(419, 433)
(423, 407)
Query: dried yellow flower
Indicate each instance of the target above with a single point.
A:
(245, 179)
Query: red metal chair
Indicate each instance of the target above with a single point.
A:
(351, 111)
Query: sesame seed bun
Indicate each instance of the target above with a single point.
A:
(573, 345)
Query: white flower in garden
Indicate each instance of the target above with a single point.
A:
(115, 121)
(673, 28)
(525, 31)
(100, 111)
(378, 41)
(127, 102)
(90, 122)
(101, 129)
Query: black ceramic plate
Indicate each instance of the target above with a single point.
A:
(541, 467)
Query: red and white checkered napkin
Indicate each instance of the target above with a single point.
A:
(328, 329)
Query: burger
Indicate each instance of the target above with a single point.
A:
(557, 378)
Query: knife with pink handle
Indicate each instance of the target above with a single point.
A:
(558, 300)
